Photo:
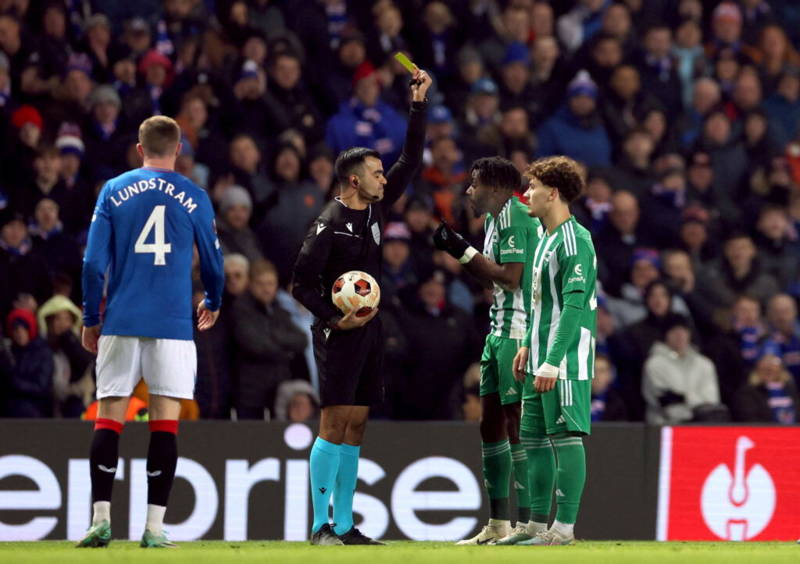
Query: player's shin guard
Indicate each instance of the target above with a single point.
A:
(521, 487)
(103, 458)
(541, 474)
(497, 474)
(345, 488)
(162, 457)
(324, 465)
(571, 477)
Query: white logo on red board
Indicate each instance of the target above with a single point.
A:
(738, 505)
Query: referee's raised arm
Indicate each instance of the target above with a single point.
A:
(410, 159)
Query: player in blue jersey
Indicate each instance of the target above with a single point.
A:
(145, 225)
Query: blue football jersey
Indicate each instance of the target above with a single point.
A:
(145, 225)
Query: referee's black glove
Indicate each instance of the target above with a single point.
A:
(446, 239)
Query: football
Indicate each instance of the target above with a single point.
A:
(356, 290)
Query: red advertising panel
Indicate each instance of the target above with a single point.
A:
(729, 483)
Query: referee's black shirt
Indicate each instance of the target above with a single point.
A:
(343, 239)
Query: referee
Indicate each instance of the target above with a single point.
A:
(349, 350)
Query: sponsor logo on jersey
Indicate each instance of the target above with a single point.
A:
(512, 391)
(349, 227)
(320, 228)
(559, 493)
(511, 242)
(578, 277)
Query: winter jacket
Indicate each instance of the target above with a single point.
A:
(266, 341)
(751, 403)
(672, 384)
(584, 140)
(381, 128)
(29, 382)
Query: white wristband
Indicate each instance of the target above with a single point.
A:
(468, 254)
(547, 371)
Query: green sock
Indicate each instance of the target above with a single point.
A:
(571, 477)
(496, 475)
(541, 474)
(520, 461)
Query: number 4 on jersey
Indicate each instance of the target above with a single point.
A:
(158, 247)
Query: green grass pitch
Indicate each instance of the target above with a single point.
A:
(222, 552)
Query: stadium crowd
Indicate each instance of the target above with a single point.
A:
(685, 113)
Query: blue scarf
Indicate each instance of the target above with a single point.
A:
(781, 403)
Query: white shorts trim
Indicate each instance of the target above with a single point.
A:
(168, 366)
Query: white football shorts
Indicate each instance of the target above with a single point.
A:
(168, 366)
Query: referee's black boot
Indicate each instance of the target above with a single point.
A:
(325, 536)
(354, 536)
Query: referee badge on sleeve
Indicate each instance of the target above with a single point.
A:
(376, 233)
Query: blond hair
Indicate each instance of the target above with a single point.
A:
(159, 136)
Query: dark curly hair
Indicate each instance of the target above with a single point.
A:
(498, 173)
(561, 173)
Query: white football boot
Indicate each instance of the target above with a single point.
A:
(491, 533)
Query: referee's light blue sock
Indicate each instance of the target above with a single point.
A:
(345, 488)
(324, 462)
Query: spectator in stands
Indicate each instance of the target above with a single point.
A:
(726, 27)
(235, 235)
(775, 56)
(367, 121)
(266, 341)
(73, 381)
(689, 56)
(547, 75)
(605, 55)
(770, 396)
(350, 54)
(747, 93)
(633, 171)
(607, 403)
(749, 326)
(625, 104)
(592, 209)
(46, 183)
(97, 45)
(481, 116)
(783, 339)
(444, 179)
(659, 69)
(215, 347)
(738, 272)
(137, 36)
(694, 234)
(677, 380)
(662, 207)
(682, 280)
(622, 235)
(105, 135)
(444, 343)
(576, 129)
(78, 200)
(296, 401)
(21, 270)
(57, 249)
(157, 73)
(470, 70)
(438, 40)
(294, 204)
(728, 157)
(398, 264)
(293, 98)
(515, 26)
(386, 37)
(632, 305)
(421, 222)
(248, 172)
(237, 276)
(703, 191)
(783, 107)
(777, 245)
(706, 96)
(28, 381)
(259, 112)
(516, 88)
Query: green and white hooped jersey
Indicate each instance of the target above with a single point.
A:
(564, 262)
(511, 237)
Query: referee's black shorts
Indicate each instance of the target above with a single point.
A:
(350, 364)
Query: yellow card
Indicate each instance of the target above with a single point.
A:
(406, 62)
